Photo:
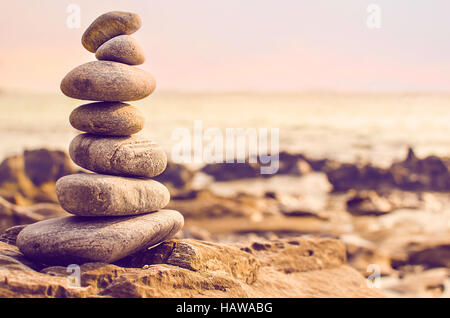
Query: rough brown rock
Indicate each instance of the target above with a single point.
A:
(107, 118)
(122, 49)
(199, 256)
(294, 268)
(94, 276)
(132, 156)
(107, 26)
(79, 240)
(103, 195)
(187, 268)
(10, 254)
(18, 280)
(107, 81)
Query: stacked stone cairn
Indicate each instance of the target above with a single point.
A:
(118, 210)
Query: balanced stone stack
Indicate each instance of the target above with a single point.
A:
(119, 208)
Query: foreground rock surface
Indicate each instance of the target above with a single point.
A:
(108, 118)
(102, 195)
(109, 25)
(79, 240)
(132, 156)
(107, 81)
(188, 268)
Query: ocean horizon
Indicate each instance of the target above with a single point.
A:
(361, 126)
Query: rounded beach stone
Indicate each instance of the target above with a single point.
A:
(107, 26)
(107, 81)
(77, 240)
(123, 49)
(132, 156)
(107, 118)
(89, 194)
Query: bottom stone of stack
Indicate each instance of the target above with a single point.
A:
(77, 240)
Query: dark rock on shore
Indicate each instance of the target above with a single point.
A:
(428, 174)
(231, 171)
(293, 164)
(373, 203)
(31, 177)
(177, 175)
(348, 176)
(368, 203)
(44, 165)
(288, 164)
(412, 174)
(11, 214)
(427, 251)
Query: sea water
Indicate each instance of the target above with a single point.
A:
(371, 127)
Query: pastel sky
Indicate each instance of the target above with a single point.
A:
(242, 45)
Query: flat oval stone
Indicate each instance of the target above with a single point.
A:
(109, 25)
(88, 194)
(123, 49)
(132, 156)
(107, 118)
(77, 240)
(107, 81)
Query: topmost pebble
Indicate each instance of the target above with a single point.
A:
(107, 26)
